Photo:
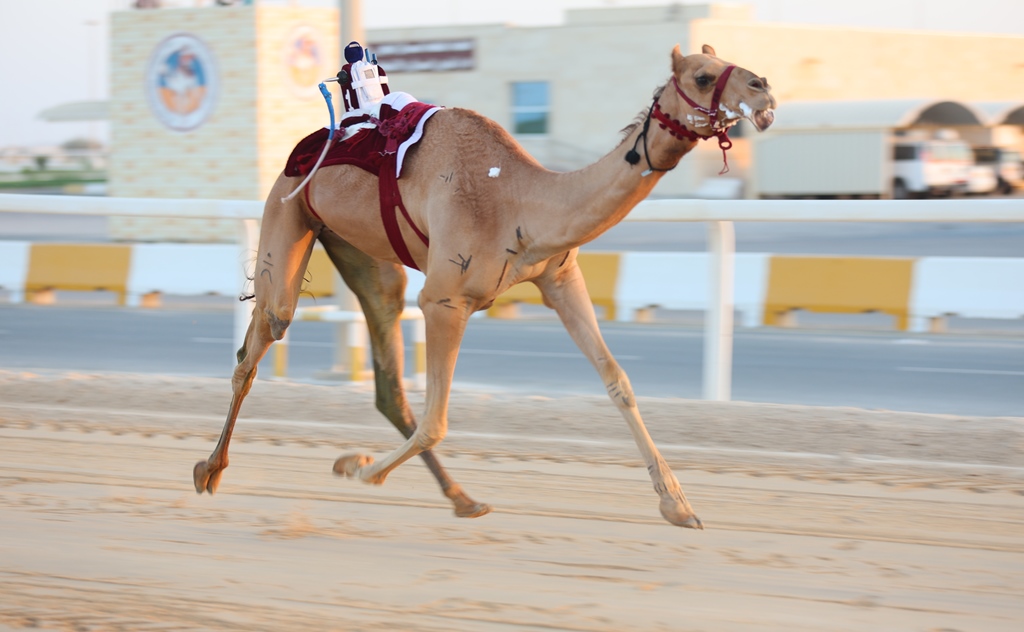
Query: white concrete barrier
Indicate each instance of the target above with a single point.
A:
(682, 280)
(184, 269)
(14, 268)
(971, 287)
(719, 214)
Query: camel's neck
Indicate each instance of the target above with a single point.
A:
(577, 207)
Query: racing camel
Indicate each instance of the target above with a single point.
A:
(479, 216)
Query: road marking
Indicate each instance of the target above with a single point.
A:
(497, 352)
(228, 341)
(540, 354)
(924, 369)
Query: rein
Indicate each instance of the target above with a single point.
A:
(327, 145)
(678, 130)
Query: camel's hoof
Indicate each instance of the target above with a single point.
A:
(204, 479)
(472, 510)
(465, 507)
(680, 514)
(348, 465)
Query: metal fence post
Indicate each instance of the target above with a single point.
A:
(345, 334)
(248, 244)
(718, 328)
(419, 344)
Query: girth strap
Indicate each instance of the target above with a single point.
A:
(390, 199)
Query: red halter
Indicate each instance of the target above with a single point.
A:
(678, 130)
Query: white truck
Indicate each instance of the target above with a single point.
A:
(860, 164)
(1006, 165)
(931, 168)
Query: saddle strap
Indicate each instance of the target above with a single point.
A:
(391, 199)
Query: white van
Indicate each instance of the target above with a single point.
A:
(933, 167)
(1005, 164)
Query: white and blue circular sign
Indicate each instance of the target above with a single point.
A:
(182, 82)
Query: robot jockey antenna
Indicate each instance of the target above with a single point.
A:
(363, 82)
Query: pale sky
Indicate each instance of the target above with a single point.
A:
(55, 51)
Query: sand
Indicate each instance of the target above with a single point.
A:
(816, 518)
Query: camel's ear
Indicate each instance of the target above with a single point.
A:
(707, 50)
(678, 61)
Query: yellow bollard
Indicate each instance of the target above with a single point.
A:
(357, 350)
(419, 338)
(281, 357)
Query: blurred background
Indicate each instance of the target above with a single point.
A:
(869, 474)
(929, 83)
(897, 99)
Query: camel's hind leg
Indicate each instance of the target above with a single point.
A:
(286, 240)
(566, 292)
(380, 287)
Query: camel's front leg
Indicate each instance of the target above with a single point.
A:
(566, 292)
(286, 241)
(445, 321)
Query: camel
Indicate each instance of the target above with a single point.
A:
(494, 218)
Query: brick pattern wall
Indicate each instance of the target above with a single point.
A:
(240, 149)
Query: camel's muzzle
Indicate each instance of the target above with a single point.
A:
(762, 119)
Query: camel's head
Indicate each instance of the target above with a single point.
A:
(742, 94)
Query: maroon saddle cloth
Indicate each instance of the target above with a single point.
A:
(374, 150)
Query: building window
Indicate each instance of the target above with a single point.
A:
(905, 152)
(530, 106)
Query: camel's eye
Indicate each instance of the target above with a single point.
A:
(703, 81)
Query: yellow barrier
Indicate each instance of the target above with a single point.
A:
(320, 274)
(90, 267)
(600, 270)
(838, 285)
(78, 267)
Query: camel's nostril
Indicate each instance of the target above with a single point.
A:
(757, 84)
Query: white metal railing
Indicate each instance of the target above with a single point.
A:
(720, 214)
(248, 212)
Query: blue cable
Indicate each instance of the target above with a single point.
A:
(330, 108)
(330, 136)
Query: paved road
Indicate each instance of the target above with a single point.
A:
(845, 238)
(976, 374)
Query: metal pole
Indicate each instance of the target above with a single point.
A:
(280, 348)
(344, 334)
(419, 339)
(248, 244)
(718, 329)
(350, 12)
(357, 347)
(350, 28)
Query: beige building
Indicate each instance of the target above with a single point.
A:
(572, 87)
(208, 102)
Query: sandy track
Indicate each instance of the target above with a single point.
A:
(817, 519)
